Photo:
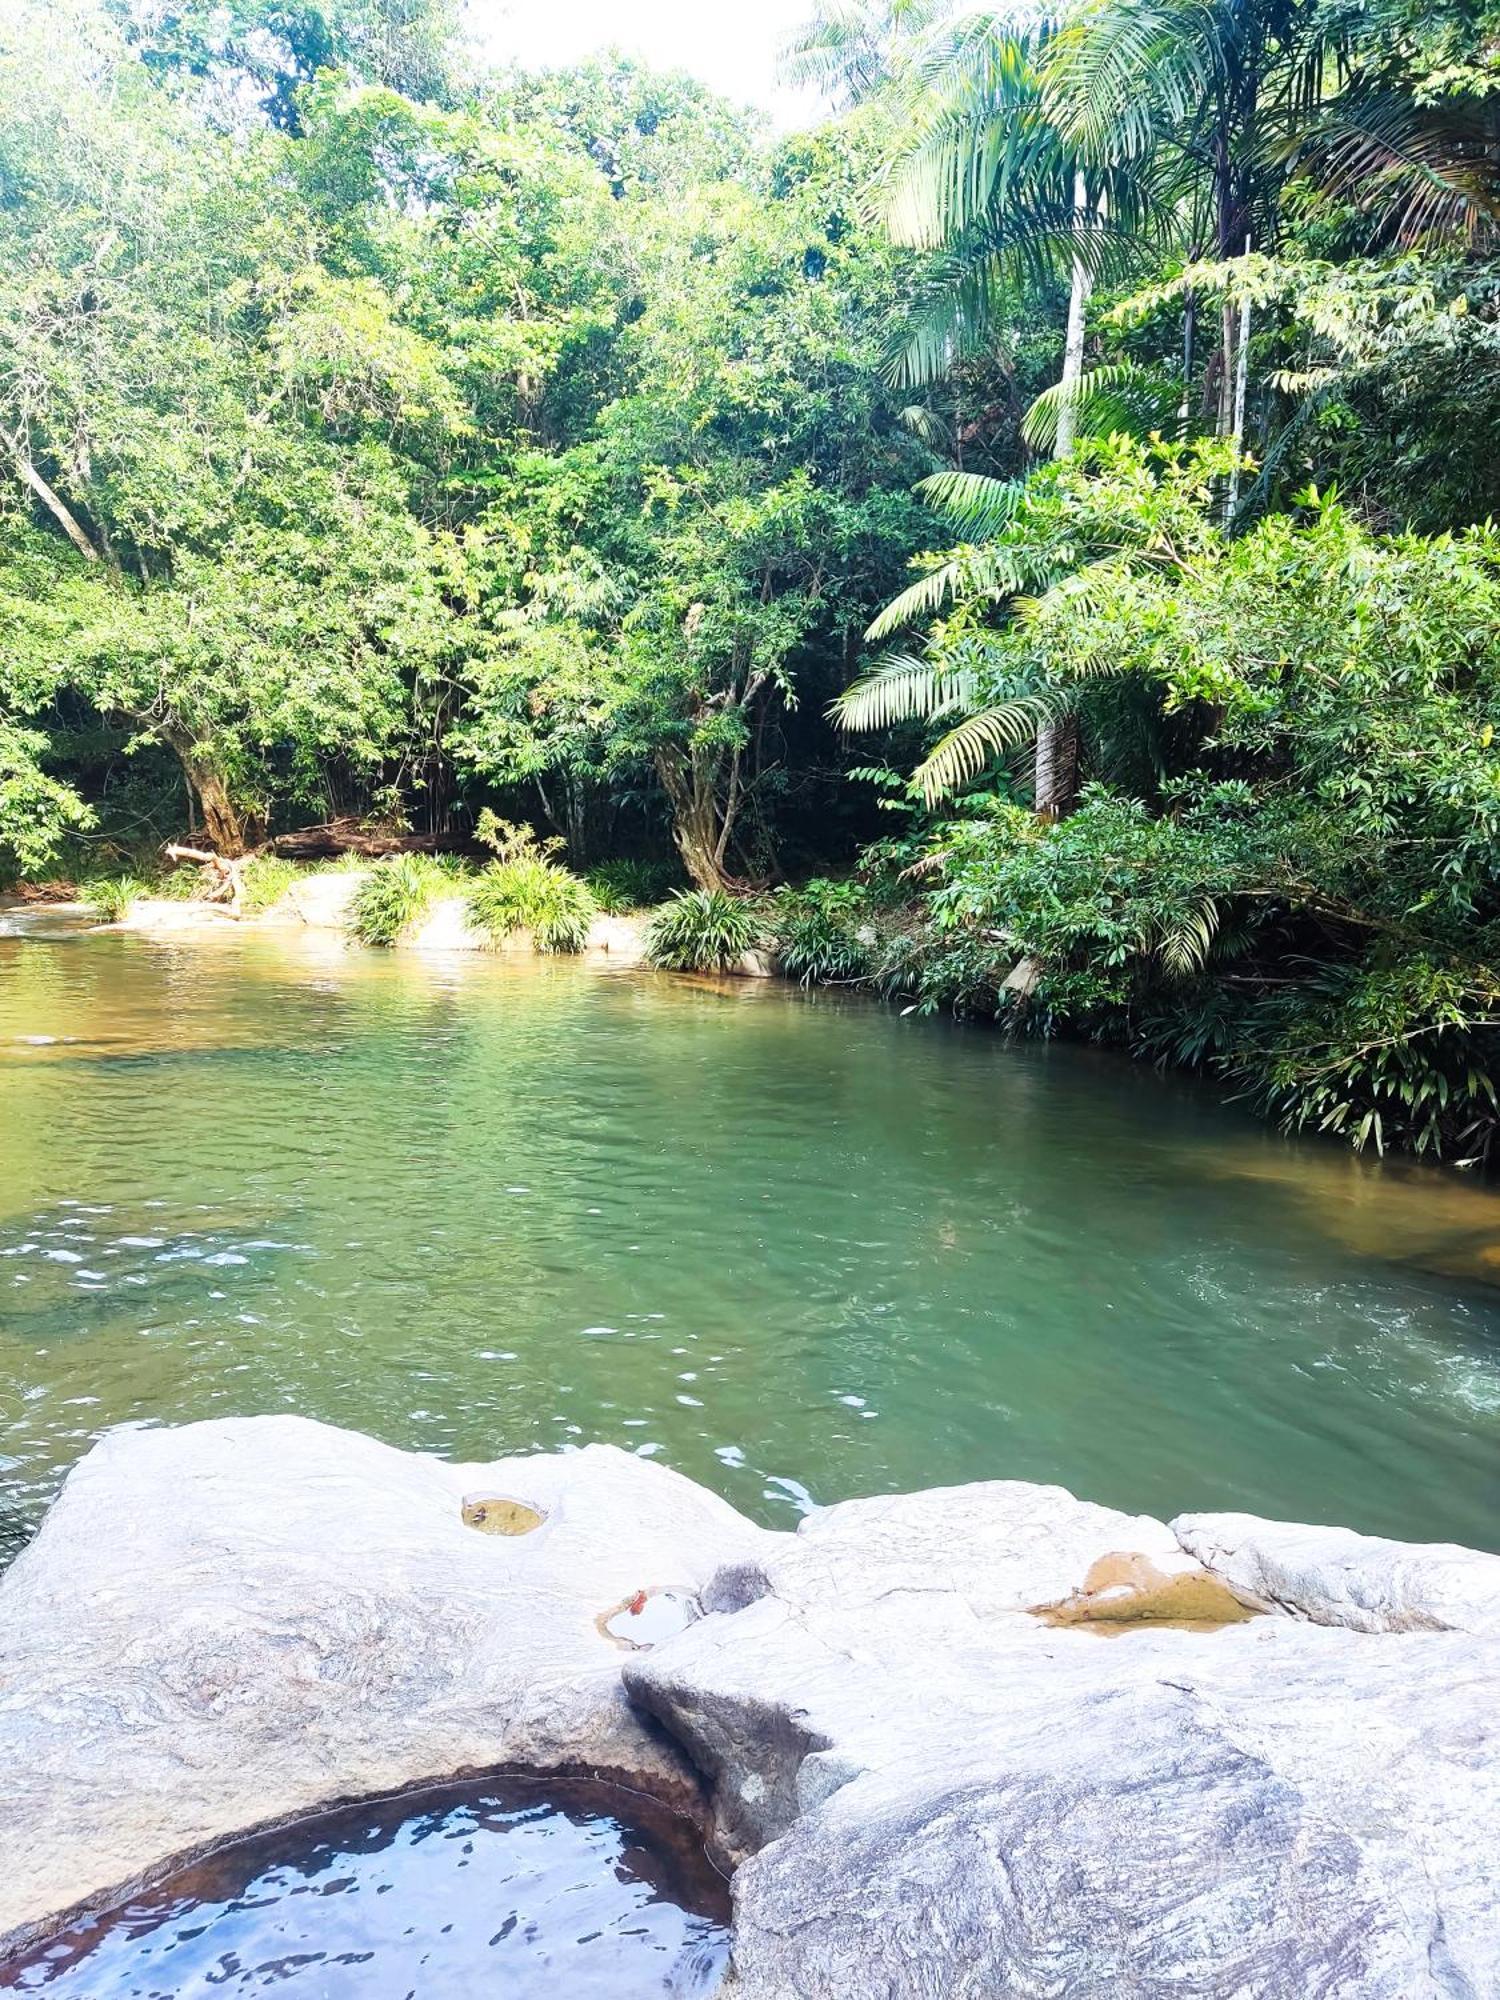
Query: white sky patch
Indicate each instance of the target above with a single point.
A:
(731, 47)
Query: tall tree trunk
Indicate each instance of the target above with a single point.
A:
(1056, 778)
(230, 832)
(1078, 298)
(1057, 768)
(1241, 386)
(699, 828)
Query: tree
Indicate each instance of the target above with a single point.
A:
(712, 548)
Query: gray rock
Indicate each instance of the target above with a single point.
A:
(955, 1740)
(225, 1624)
(1336, 1577)
(942, 1795)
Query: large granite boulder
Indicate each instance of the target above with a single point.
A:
(968, 1752)
(991, 1743)
(1335, 1577)
(232, 1622)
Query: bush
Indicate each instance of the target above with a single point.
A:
(704, 930)
(395, 895)
(620, 886)
(265, 880)
(531, 893)
(824, 933)
(109, 897)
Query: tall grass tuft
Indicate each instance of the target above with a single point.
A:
(624, 885)
(266, 879)
(704, 930)
(395, 895)
(109, 897)
(531, 893)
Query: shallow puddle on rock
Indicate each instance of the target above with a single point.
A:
(1124, 1590)
(535, 1890)
(649, 1617)
(496, 1514)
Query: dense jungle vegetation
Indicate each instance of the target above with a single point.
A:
(1024, 544)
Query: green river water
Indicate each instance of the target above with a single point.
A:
(793, 1244)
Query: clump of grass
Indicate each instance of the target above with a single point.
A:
(704, 930)
(525, 889)
(109, 897)
(536, 895)
(180, 884)
(266, 878)
(620, 886)
(394, 896)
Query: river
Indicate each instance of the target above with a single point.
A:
(797, 1245)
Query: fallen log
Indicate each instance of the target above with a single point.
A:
(348, 836)
(225, 874)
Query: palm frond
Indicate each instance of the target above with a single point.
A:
(1122, 397)
(1419, 171)
(1122, 69)
(965, 751)
(979, 507)
(901, 688)
(1183, 946)
(917, 603)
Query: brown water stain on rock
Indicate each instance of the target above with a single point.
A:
(1124, 1589)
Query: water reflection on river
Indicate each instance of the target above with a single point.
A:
(793, 1244)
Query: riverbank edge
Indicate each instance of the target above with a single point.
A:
(903, 1725)
(320, 903)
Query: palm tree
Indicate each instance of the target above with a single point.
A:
(988, 178)
(848, 49)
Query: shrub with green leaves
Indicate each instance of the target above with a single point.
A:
(395, 894)
(704, 930)
(526, 889)
(624, 885)
(109, 897)
(825, 933)
(531, 893)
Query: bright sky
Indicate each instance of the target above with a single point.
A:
(729, 44)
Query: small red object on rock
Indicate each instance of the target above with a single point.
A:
(637, 1604)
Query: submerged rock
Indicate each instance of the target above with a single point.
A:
(991, 1742)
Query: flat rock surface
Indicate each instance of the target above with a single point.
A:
(220, 1625)
(983, 1743)
(943, 1794)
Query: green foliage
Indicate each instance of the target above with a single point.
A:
(704, 930)
(109, 897)
(621, 886)
(1306, 903)
(395, 895)
(180, 884)
(825, 933)
(525, 889)
(266, 879)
